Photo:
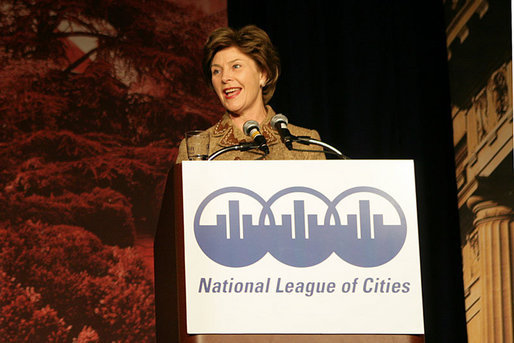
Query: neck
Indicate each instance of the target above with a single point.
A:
(240, 119)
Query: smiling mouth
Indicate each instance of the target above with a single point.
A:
(231, 92)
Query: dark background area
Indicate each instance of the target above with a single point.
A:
(486, 47)
(372, 78)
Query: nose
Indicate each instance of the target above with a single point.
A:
(226, 75)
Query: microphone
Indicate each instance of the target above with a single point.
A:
(279, 122)
(251, 128)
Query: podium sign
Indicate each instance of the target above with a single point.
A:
(301, 247)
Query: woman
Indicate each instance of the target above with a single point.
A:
(242, 67)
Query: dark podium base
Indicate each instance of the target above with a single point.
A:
(304, 339)
(170, 303)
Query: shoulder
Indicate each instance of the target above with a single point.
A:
(182, 152)
(301, 131)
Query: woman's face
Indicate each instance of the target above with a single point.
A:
(238, 81)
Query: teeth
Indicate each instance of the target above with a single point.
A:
(232, 90)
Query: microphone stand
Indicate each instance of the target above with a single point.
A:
(308, 141)
(240, 147)
(305, 140)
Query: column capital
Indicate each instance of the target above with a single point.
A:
(486, 210)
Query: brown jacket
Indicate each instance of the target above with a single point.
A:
(224, 134)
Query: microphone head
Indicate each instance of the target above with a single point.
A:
(249, 126)
(277, 119)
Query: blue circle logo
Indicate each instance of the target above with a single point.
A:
(353, 227)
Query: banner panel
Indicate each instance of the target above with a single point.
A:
(302, 247)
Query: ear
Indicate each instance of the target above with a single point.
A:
(263, 79)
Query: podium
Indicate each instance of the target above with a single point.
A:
(170, 286)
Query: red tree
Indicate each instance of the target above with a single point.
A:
(86, 139)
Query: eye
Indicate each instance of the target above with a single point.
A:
(215, 72)
(236, 66)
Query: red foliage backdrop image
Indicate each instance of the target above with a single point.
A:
(94, 98)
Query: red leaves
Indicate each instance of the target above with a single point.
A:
(103, 212)
(44, 269)
(86, 140)
(24, 317)
(59, 146)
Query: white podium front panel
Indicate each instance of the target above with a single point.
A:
(307, 247)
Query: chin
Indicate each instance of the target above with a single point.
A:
(234, 110)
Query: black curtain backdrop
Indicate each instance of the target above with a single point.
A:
(371, 77)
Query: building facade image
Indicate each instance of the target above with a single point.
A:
(480, 69)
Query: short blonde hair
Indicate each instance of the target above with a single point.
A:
(253, 42)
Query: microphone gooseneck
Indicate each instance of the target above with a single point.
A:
(238, 147)
(279, 123)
